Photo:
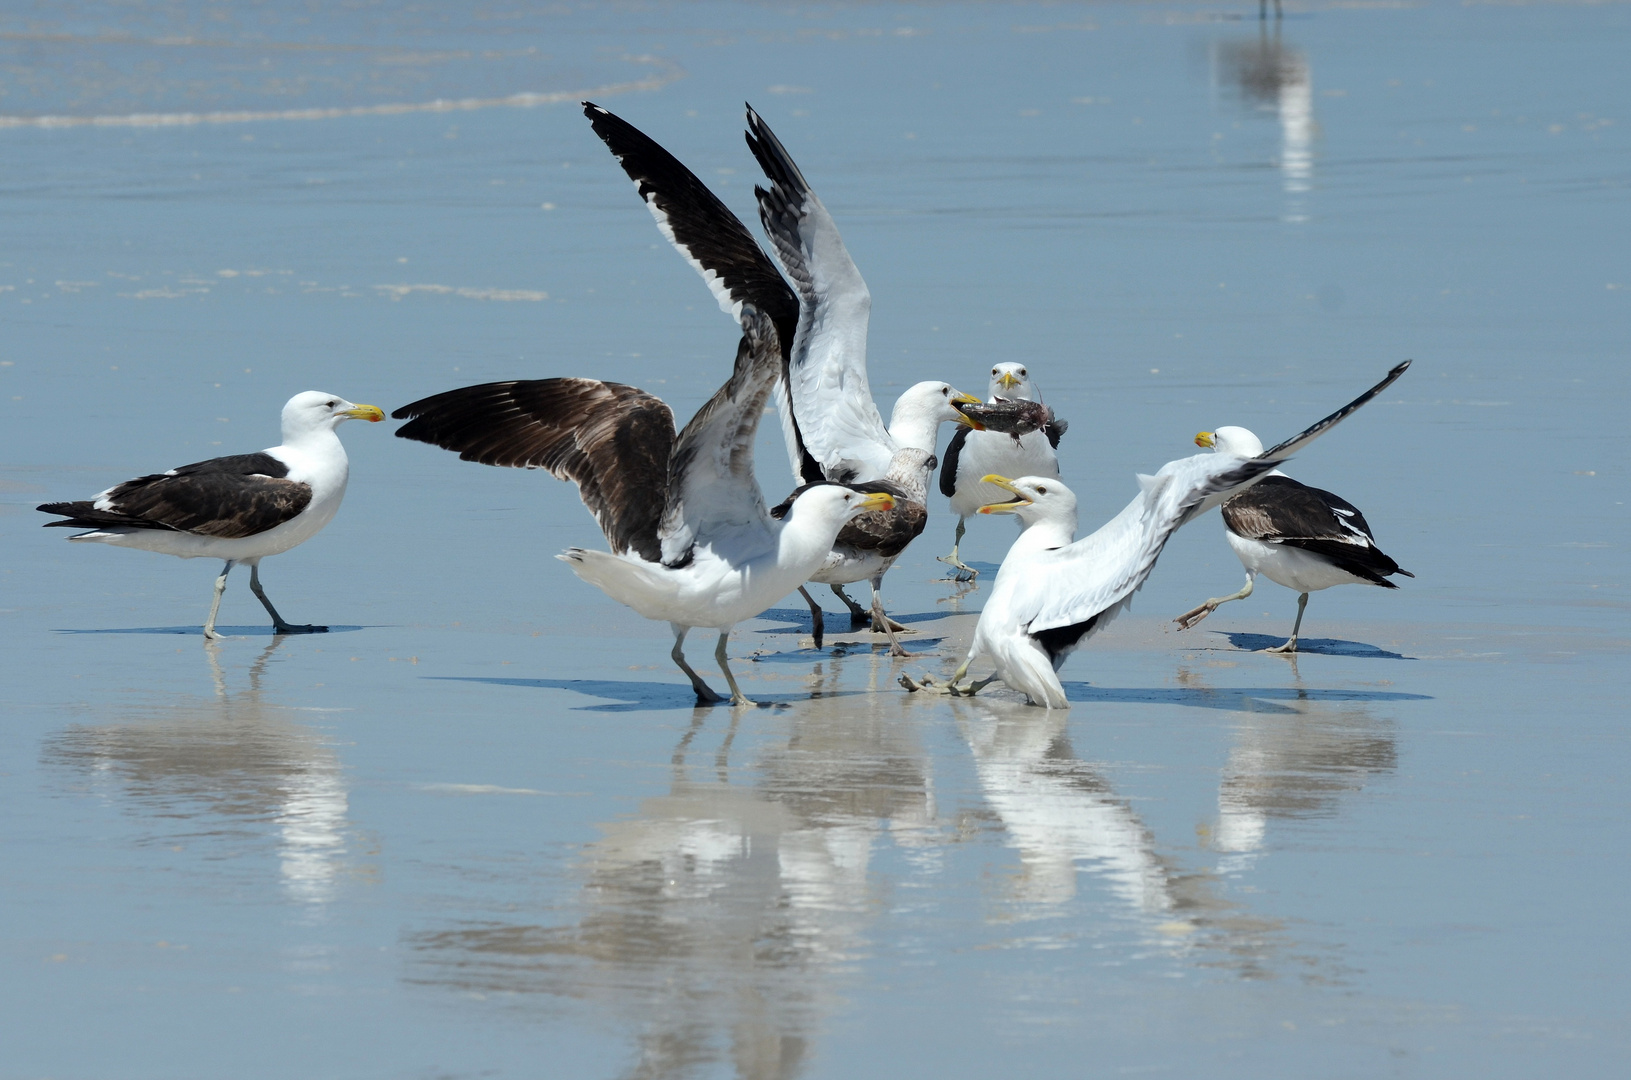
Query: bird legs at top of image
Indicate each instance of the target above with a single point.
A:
(1263, 10)
(1196, 614)
(964, 572)
(1290, 647)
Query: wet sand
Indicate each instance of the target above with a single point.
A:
(480, 828)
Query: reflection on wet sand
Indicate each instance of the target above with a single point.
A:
(1272, 76)
(223, 770)
(1288, 768)
(722, 919)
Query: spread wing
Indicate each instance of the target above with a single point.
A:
(828, 394)
(228, 497)
(613, 441)
(1308, 435)
(1075, 590)
(710, 237)
(711, 486)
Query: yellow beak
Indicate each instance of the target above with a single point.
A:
(1007, 507)
(967, 399)
(878, 500)
(370, 413)
(1204, 439)
(1008, 381)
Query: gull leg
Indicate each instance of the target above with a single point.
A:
(881, 621)
(277, 620)
(705, 693)
(857, 613)
(215, 605)
(1195, 615)
(818, 625)
(972, 688)
(1291, 646)
(964, 571)
(737, 697)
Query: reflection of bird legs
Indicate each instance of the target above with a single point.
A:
(277, 620)
(215, 605)
(705, 693)
(964, 571)
(1290, 647)
(882, 622)
(1263, 9)
(963, 589)
(1195, 615)
(818, 623)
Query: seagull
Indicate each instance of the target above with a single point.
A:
(828, 416)
(239, 509)
(692, 544)
(1295, 535)
(1054, 592)
(716, 243)
(972, 455)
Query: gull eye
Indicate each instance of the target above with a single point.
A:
(1040, 490)
(1022, 373)
(332, 404)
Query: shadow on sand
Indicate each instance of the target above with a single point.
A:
(198, 631)
(837, 622)
(1311, 646)
(632, 696)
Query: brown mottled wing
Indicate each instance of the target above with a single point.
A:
(229, 498)
(613, 441)
(884, 531)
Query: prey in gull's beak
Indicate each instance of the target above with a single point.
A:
(1204, 439)
(371, 413)
(959, 398)
(1007, 507)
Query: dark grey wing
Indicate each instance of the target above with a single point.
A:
(226, 497)
(708, 235)
(613, 441)
(948, 467)
(1280, 510)
(711, 488)
(1284, 450)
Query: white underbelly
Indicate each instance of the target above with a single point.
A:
(1289, 566)
(847, 564)
(274, 541)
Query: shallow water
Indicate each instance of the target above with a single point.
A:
(478, 829)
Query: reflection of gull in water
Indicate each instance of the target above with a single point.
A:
(1061, 814)
(1289, 767)
(720, 917)
(1271, 76)
(223, 766)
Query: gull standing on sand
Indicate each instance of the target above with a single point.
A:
(240, 509)
(973, 454)
(692, 543)
(833, 428)
(1054, 592)
(1295, 535)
